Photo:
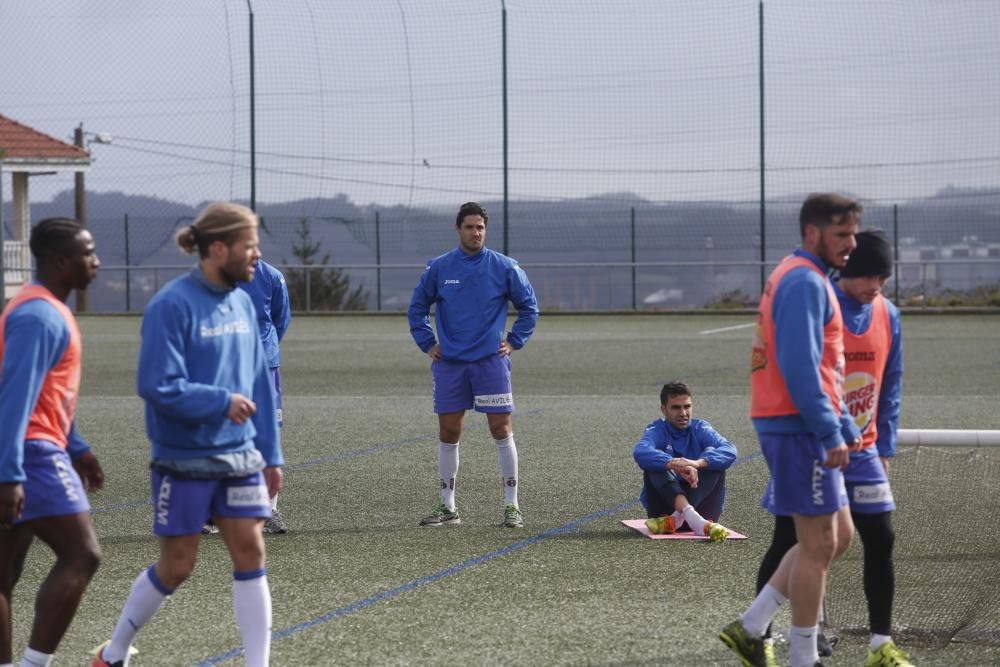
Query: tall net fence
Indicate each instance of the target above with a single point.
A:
(945, 559)
(638, 158)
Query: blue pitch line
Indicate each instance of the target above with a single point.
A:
(428, 579)
(441, 574)
(315, 462)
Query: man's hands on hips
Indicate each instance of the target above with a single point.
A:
(435, 352)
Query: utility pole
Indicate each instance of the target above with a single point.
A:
(506, 165)
(253, 119)
(80, 200)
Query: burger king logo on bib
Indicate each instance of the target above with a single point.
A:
(861, 397)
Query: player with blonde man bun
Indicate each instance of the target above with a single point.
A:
(211, 419)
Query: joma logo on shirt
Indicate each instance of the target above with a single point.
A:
(237, 327)
(452, 281)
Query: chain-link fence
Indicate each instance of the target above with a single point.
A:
(648, 149)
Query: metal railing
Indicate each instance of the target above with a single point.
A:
(16, 262)
(568, 286)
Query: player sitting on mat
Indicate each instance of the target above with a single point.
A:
(684, 462)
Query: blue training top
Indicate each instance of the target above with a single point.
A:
(857, 319)
(470, 295)
(662, 441)
(199, 346)
(801, 308)
(269, 294)
(35, 339)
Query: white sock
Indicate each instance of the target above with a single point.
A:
(448, 471)
(694, 520)
(252, 605)
(33, 658)
(507, 454)
(763, 608)
(878, 640)
(274, 504)
(145, 598)
(802, 646)
(678, 518)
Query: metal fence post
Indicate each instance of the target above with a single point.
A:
(128, 273)
(378, 265)
(308, 290)
(895, 249)
(632, 217)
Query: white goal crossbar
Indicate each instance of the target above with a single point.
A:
(947, 437)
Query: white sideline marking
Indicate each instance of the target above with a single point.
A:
(732, 328)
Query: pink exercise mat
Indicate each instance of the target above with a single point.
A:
(639, 525)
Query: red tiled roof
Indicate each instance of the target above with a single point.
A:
(20, 142)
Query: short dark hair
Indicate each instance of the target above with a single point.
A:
(54, 237)
(672, 389)
(820, 208)
(471, 208)
(872, 257)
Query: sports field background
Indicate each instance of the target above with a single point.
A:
(357, 582)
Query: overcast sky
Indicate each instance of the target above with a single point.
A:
(399, 101)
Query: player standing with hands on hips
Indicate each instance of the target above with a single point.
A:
(469, 288)
(211, 419)
(805, 431)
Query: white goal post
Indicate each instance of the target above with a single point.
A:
(947, 437)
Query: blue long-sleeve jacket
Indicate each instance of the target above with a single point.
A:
(801, 308)
(662, 441)
(269, 294)
(470, 295)
(857, 319)
(35, 339)
(199, 346)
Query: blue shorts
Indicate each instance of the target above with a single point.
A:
(182, 506)
(276, 376)
(464, 385)
(52, 487)
(800, 483)
(867, 485)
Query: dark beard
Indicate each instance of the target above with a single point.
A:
(229, 278)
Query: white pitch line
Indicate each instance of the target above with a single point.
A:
(732, 328)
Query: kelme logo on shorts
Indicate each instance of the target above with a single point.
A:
(62, 470)
(163, 502)
(247, 496)
(817, 483)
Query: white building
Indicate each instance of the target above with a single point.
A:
(25, 152)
